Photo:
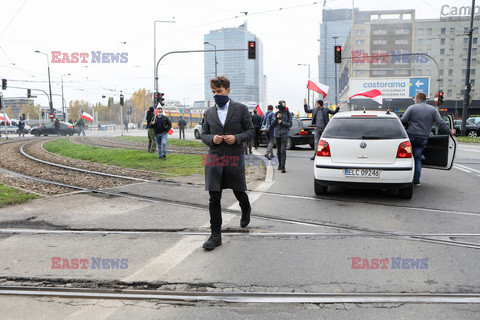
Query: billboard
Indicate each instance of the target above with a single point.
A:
(392, 88)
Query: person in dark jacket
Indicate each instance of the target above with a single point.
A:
(320, 119)
(419, 119)
(152, 145)
(57, 126)
(282, 121)
(21, 128)
(81, 126)
(181, 127)
(161, 125)
(268, 117)
(257, 123)
(226, 126)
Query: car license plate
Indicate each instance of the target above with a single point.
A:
(363, 173)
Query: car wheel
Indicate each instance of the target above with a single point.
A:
(319, 189)
(406, 193)
(71, 133)
(197, 134)
(290, 144)
(472, 134)
(37, 134)
(312, 145)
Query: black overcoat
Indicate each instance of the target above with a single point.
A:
(224, 165)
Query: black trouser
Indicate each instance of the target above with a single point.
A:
(180, 130)
(257, 136)
(216, 208)
(281, 151)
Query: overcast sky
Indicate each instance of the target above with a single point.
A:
(289, 36)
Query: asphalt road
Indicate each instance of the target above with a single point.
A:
(326, 254)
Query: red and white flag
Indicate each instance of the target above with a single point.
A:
(170, 132)
(318, 87)
(3, 119)
(374, 94)
(259, 110)
(86, 116)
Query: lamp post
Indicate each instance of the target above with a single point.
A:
(49, 82)
(63, 100)
(336, 96)
(307, 65)
(155, 50)
(211, 44)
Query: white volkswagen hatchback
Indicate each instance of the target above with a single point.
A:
(371, 149)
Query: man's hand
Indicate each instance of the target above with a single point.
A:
(279, 115)
(230, 139)
(217, 139)
(304, 100)
(454, 131)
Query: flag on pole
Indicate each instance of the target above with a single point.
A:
(170, 132)
(374, 94)
(318, 87)
(3, 119)
(86, 116)
(259, 110)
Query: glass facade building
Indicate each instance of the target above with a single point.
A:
(246, 76)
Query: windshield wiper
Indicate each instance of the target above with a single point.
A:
(366, 137)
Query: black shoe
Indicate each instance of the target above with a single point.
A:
(214, 241)
(279, 168)
(416, 183)
(245, 218)
(312, 158)
(283, 170)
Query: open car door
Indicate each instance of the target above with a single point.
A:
(440, 150)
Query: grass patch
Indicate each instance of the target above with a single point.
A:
(468, 139)
(9, 195)
(176, 164)
(170, 141)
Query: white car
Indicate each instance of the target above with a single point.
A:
(371, 149)
(197, 130)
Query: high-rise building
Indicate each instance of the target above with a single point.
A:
(335, 23)
(246, 75)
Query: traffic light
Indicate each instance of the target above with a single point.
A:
(338, 54)
(440, 98)
(4, 84)
(43, 114)
(121, 100)
(158, 99)
(29, 93)
(252, 50)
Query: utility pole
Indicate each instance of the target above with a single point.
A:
(468, 85)
(155, 50)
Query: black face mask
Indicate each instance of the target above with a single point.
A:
(221, 101)
(281, 108)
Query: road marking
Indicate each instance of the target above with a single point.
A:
(471, 150)
(468, 168)
(461, 169)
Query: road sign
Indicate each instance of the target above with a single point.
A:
(436, 99)
(50, 115)
(392, 88)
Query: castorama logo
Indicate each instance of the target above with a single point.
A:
(92, 57)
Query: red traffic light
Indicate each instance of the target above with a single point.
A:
(440, 93)
(338, 48)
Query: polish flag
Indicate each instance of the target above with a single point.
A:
(170, 132)
(86, 116)
(320, 87)
(3, 119)
(374, 94)
(259, 110)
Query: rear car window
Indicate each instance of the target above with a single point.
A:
(364, 128)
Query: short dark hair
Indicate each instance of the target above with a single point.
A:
(219, 82)
(255, 111)
(159, 107)
(320, 102)
(270, 107)
(421, 96)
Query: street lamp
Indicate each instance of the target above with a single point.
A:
(307, 65)
(211, 44)
(336, 96)
(49, 82)
(63, 103)
(155, 50)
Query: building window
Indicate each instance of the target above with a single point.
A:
(360, 41)
(429, 31)
(379, 31)
(420, 42)
(443, 30)
(464, 62)
(450, 62)
(465, 40)
(472, 71)
(360, 73)
(464, 72)
(452, 41)
(402, 31)
(450, 82)
(360, 32)
(440, 72)
(450, 52)
(420, 31)
(429, 42)
(442, 41)
(474, 62)
(419, 72)
(380, 41)
(474, 40)
(462, 92)
(474, 51)
(427, 72)
(450, 72)
(465, 30)
(442, 51)
(401, 72)
(452, 30)
(449, 93)
(401, 41)
(442, 62)
(379, 73)
(440, 82)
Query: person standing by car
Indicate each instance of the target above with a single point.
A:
(268, 130)
(257, 123)
(320, 119)
(162, 125)
(57, 126)
(419, 119)
(152, 144)
(181, 126)
(227, 126)
(21, 128)
(282, 121)
(81, 126)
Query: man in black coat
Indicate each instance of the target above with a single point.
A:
(161, 125)
(226, 127)
(152, 145)
(320, 119)
(257, 123)
(181, 127)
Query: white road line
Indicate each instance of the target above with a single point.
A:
(461, 169)
(468, 168)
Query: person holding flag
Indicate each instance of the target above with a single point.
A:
(162, 126)
(81, 126)
(320, 115)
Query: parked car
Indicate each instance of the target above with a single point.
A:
(11, 128)
(197, 130)
(473, 130)
(301, 133)
(49, 128)
(26, 129)
(371, 149)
